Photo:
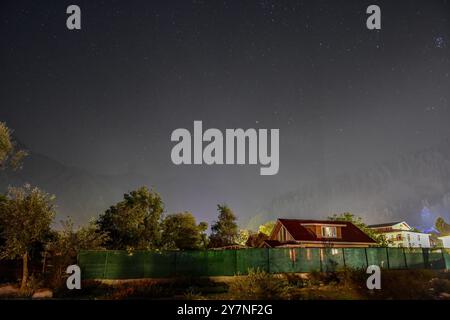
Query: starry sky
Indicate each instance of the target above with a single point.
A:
(106, 98)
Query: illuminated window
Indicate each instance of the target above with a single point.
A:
(329, 232)
(293, 255)
(334, 251)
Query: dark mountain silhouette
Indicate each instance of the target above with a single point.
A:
(414, 187)
(80, 194)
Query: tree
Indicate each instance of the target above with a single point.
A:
(26, 215)
(243, 236)
(442, 227)
(180, 231)
(10, 155)
(134, 223)
(357, 221)
(267, 227)
(68, 242)
(255, 240)
(225, 230)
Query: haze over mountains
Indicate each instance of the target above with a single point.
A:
(414, 187)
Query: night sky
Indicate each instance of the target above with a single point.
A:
(106, 98)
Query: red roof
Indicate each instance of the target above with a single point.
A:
(349, 232)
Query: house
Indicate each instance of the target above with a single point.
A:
(317, 234)
(400, 234)
(445, 241)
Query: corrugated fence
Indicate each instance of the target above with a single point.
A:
(149, 264)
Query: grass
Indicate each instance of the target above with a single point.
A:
(260, 285)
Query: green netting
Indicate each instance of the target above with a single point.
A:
(397, 259)
(282, 260)
(446, 253)
(149, 264)
(93, 264)
(355, 258)
(414, 259)
(221, 262)
(377, 256)
(434, 258)
(332, 259)
(252, 259)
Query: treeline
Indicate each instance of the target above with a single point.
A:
(138, 222)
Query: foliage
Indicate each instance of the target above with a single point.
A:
(180, 231)
(63, 249)
(442, 227)
(134, 223)
(243, 236)
(259, 285)
(225, 230)
(255, 240)
(267, 227)
(357, 221)
(10, 155)
(26, 216)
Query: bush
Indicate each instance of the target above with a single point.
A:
(259, 285)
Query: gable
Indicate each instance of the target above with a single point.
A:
(311, 230)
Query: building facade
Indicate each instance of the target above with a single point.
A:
(317, 234)
(400, 234)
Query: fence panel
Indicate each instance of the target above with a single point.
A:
(332, 259)
(252, 259)
(397, 259)
(221, 262)
(355, 258)
(160, 264)
(93, 264)
(414, 258)
(149, 264)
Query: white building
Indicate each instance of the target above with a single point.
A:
(445, 241)
(400, 234)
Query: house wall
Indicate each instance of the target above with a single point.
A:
(445, 241)
(409, 239)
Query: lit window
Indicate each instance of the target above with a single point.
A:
(329, 232)
(334, 251)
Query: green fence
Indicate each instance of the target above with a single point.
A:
(149, 264)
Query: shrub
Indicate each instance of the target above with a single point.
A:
(259, 285)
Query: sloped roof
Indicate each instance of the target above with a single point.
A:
(381, 225)
(349, 233)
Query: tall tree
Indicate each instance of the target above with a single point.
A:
(357, 221)
(26, 215)
(10, 155)
(442, 227)
(135, 222)
(224, 231)
(180, 231)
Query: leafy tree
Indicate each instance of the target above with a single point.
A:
(133, 223)
(255, 240)
(225, 230)
(10, 155)
(180, 231)
(357, 221)
(67, 243)
(442, 227)
(267, 227)
(203, 226)
(26, 215)
(243, 236)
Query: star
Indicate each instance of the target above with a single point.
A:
(439, 42)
